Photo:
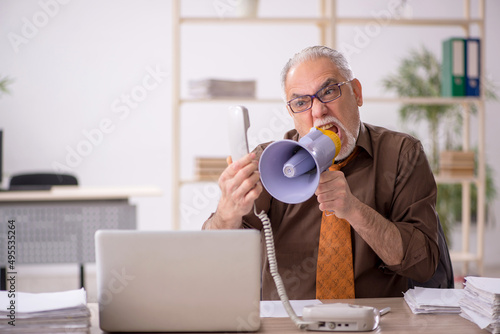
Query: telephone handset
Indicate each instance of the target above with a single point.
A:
(239, 122)
(325, 317)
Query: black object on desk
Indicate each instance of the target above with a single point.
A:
(41, 181)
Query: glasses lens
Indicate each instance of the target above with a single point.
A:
(329, 93)
(301, 103)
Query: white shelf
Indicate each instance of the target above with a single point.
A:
(257, 20)
(452, 180)
(423, 100)
(412, 22)
(325, 20)
(233, 100)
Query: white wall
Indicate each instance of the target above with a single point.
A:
(94, 77)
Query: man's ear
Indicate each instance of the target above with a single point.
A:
(358, 91)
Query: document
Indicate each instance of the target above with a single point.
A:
(481, 302)
(52, 312)
(434, 301)
(275, 308)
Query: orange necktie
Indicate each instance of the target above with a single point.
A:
(334, 272)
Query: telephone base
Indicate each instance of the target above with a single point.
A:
(340, 317)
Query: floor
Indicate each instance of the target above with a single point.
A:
(50, 278)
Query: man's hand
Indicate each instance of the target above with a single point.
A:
(240, 186)
(334, 194)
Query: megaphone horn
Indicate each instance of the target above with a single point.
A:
(290, 170)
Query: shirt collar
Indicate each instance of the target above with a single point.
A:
(364, 139)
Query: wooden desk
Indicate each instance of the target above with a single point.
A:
(58, 225)
(77, 193)
(399, 320)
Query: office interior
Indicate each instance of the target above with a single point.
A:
(91, 85)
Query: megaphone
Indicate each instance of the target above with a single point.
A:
(290, 170)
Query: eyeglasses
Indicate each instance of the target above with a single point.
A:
(324, 95)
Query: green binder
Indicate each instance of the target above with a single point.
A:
(453, 67)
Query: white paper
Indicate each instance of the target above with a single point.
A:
(481, 302)
(40, 302)
(429, 300)
(275, 308)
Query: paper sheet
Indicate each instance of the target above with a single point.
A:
(428, 300)
(275, 308)
(38, 302)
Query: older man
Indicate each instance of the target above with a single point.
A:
(385, 194)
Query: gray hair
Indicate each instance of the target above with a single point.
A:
(315, 52)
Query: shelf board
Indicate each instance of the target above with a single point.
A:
(255, 20)
(326, 20)
(409, 22)
(407, 100)
(233, 100)
(195, 181)
(463, 256)
(422, 100)
(449, 180)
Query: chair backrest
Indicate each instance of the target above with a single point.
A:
(443, 277)
(40, 181)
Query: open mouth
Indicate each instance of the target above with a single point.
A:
(330, 127)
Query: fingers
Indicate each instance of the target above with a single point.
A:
(239, 171)
(333, 191)
(240, 186)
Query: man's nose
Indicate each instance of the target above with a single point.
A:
(318, 108)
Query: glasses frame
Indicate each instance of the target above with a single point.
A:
(317, 97)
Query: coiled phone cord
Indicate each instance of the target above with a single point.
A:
(273, 267)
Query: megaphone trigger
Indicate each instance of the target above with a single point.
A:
(290, 170)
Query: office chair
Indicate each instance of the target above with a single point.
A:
(40, 181)
(443, 277)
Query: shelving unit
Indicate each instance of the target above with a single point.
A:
(327, 24)
(465, 255)
(326, 31)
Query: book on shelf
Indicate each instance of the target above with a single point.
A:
(472, 70)
(460, 69)
(217, 88)
(456, 163)
(209, 168)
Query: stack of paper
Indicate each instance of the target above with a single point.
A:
(214, 88)
(481, 302)
(56, 312)
(428, 300)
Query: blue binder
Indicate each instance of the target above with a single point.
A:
(473, 67)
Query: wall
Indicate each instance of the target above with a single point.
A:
(91, 90)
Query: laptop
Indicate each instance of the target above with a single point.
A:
(178, 281)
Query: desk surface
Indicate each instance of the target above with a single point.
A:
(399, 320)
(78, 193)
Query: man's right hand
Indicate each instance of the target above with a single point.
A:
(240, 186)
